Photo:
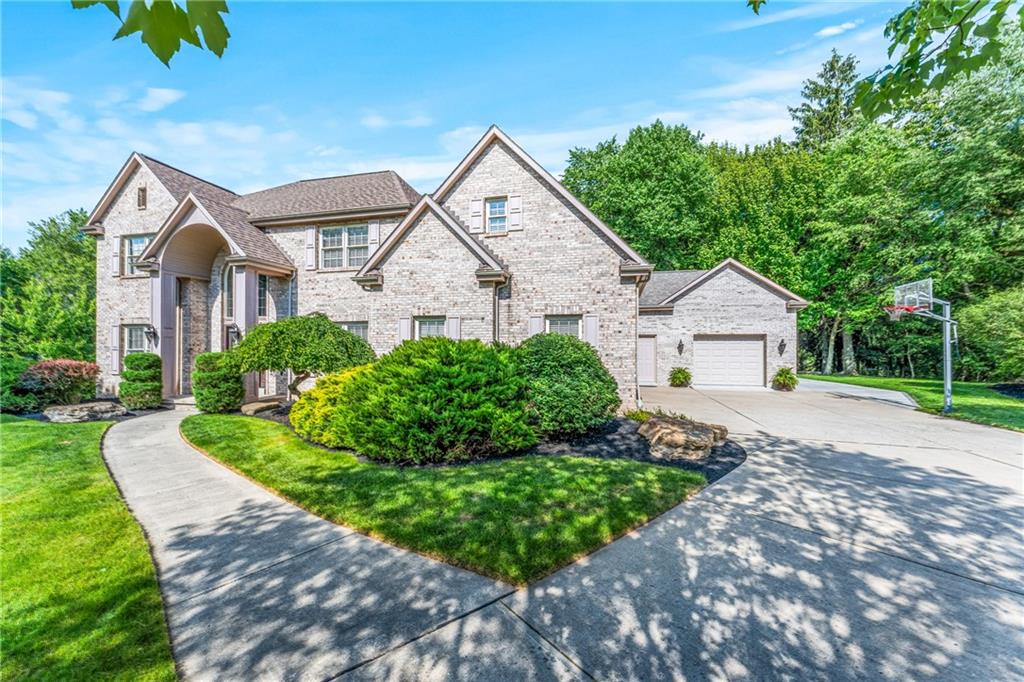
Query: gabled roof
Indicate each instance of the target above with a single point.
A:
(488, 261)
(495, 134)
(245, 241)
(664, 283)
(340, 194)
(793, 300)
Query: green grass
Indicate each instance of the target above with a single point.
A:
(514, 519)
(80, 598)
(971, 401)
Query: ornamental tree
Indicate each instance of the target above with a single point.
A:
(306, 345)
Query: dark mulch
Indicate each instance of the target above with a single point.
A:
(277, 414)
(619, 440)
(1010, 390)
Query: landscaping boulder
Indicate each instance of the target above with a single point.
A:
(84, 412)
(673, 438)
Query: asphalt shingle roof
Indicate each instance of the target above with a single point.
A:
(664, 283)
(179, 183)
(325, 195)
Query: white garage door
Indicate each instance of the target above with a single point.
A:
(732, 360)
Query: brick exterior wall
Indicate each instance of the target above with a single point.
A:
(730, 303)
(560, 265)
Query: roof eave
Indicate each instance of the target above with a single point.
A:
(318, 216)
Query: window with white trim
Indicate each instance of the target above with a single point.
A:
(496, 214)
(570, 325)
(429, 326)
(262, 289)
(228, 293)
(346, 246)
(360, 329)
(134, 338)
(132, 247)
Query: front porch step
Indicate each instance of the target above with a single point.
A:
(180, 402)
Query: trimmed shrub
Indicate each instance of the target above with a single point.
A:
(784, 379)
(141, 381)
(306, 345)
(436, 400)
(570, 390)
(60, 382)
(217, 383)
(315, 415)
(680, 377)
(13, 398)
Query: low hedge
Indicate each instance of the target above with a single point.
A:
(435, 400)
(216, 383)
(315, 416)
(13, 397)
(141, 381)
(60, 382)
(570, 390)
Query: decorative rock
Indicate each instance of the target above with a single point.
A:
(258, 406)
(676, 438)
(84, 412)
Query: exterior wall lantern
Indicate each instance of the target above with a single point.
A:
(234, 335)
(782, 346)
(679, 347)
(150, 334)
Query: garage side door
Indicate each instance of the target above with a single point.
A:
(646, 361)
(728, 360)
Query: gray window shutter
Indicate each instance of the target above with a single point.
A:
(115, 259)
(115, 349)
(453, 327)
(404, 329)
(515, 212)
(536, 324)
(373, 238)
(476, 215)
(590, 329)
(311, 248)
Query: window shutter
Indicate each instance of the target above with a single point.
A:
(373, 238)
(115, 259)
(476, 215)
(515, 212)
(590, 329)
(404, 329)
(115, 349)
(536, 324)
(311, 248)
(453, 327)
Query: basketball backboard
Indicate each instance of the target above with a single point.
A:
(917, 294)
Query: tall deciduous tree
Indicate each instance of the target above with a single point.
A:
(827, 110)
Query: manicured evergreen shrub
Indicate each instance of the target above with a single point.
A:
(680, 377)
(784, 379)
(141, 381)
(217, 383)
(437, 400)
(570, 390)
(315, 415)
(13, 397)
(60, 382)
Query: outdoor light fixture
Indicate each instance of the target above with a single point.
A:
(150, 333)
(234, 334)
(782, 346)
(679, 348)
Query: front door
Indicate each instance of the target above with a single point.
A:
(647, 361)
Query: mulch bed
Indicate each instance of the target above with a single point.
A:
(1010, 390)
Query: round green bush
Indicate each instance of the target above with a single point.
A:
(141, 381)
(570, 390)
(784, 379)
(217, 383)
(437, 400)
(315, 416)
(13, 398)
(680, 377)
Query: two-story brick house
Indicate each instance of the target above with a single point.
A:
(500, 251)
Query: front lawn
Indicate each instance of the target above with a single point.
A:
(971, 401)
(80, 598)
(514, 519)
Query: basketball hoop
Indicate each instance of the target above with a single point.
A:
(896, 312)
(915, 298)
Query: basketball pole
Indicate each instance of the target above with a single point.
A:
(947, 358)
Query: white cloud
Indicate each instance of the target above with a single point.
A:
(769, 16)
(156, 99)
(838, 29)
(23, 104)
(376, 121)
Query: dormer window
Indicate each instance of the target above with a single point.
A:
(496, 209)
(141, 198)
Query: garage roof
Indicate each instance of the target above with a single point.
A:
(664, 283)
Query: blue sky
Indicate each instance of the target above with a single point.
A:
(307, 90)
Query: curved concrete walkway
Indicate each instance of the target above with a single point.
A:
(256, 588)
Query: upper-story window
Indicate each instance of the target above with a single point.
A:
(344, 247)
(564, 324)
(228, 292)
(262, 289)
(133, 247)
(496, 216)
(141, 197)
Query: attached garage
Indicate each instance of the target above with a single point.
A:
(730, 326)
